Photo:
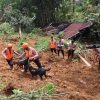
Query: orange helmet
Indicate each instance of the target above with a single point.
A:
(25, 45)
(9, 45)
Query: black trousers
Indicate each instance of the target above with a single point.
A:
(10, 63)
(62, 51)
(25, 62)
(37, 62)
(70, 53)
(53, 50)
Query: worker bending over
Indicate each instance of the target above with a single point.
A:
(31, 55)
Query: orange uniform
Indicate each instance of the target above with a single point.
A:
(9, 54)
(30, 53)
(52, 44)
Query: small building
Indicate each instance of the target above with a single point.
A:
(75, 29)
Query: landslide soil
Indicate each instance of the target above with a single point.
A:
(74, 80)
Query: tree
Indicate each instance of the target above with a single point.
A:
(16, 18)
(51, 11)
(13, 13)
(45, 11)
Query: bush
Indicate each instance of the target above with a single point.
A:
(6, 28)
(80, 48)
(37, 31)
(61, 34)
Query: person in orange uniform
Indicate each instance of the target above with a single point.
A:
(8, 55)
(52, 45)
(31, 55)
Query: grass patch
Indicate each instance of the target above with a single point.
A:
(42, 44)
(46, 91)
(2, 85)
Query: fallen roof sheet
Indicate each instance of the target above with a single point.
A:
(74, 29)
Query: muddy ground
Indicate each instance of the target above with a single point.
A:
(75, 80)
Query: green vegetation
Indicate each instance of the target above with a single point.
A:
(16, 18)
(60, 35)
(37, 31)
(42, 44)
(27, 14)
(6, 28)
(46, 91)
(30, 16)
(80, 48)
(20, 42)
(2, 85)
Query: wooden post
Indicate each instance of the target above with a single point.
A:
(86, 62)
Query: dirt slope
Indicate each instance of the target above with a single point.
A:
(75, 79)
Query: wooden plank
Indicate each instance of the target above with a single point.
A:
(86, 62)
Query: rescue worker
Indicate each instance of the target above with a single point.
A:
(52, 45)
(71, 49)
(8, 54)
(60, 47)
(31, 55)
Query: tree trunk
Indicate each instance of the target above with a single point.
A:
(20, 31)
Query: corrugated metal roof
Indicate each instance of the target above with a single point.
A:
(74, 29)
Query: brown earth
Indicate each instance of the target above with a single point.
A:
(74, 80)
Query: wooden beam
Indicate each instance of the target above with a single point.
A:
(84, 60)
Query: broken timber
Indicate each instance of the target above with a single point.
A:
(84, 60)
